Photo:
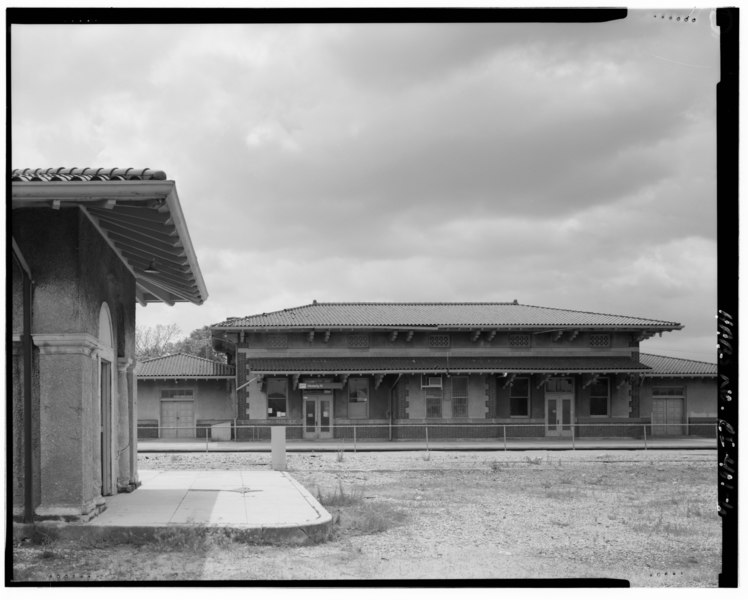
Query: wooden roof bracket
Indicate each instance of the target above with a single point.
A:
(591, 380)
(393, 335)
(476, 334)
(509, 381)
(546, 379)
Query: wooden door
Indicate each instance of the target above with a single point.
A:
(177, 419)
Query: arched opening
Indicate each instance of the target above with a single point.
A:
(106, 358)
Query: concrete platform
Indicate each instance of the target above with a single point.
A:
(518, 444)
(255, 506)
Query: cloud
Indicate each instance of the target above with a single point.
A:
(569, 165)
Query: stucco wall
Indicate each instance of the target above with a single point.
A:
(75, 272)
(212, 399)
(700, 395)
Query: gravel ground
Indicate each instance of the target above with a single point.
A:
(647, 517)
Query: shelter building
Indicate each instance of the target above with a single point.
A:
(87, 244)
(185, 396)
(388, 370)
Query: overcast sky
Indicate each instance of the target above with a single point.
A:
(562, 165)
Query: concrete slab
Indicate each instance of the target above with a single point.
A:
(259, 506)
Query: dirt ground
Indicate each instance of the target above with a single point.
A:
(646, 517)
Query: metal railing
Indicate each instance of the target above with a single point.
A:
(429, 435)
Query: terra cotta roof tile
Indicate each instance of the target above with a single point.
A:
(668, 366)
(183, 365)
(437, 315)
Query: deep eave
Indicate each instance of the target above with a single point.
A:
(143, 223)
(445, 364)
(438, 316)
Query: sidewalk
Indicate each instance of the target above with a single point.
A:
(194, 445)
(255, 506)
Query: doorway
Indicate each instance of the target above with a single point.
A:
(667, 416)
(559, 407)
(177, 418)
(105, 450)
(318, 421)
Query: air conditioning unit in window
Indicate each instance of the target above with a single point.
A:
(431, 381)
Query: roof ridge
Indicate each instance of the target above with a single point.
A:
(187, 354)
(85, 174)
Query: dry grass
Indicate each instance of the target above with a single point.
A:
(639, 517)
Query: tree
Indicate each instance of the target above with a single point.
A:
(151, 342)
(199, 343)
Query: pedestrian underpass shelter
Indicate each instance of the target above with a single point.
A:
(87, 244)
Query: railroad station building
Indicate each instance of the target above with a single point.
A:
(463, 369)
(87, 244)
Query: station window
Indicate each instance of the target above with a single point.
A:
(600, 397)
(459, 396)
(519, 397)
(433, 403)
(358, 398)
(277, 392)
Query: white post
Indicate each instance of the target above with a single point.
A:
(278, 447)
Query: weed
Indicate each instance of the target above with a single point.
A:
(372, 517)
(339, 457)
(497, 466)
(427, 456)
(533, 460)
(339, 497)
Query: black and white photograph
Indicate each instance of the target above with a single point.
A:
(363, 296)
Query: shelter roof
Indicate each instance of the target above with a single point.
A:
(667, 366)
(184, 366)
(137, 211)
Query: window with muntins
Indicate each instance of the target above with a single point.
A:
(277, 393)
(358, 398)
(519, 397)
(433, 403)
(600, 398)
(459, 396)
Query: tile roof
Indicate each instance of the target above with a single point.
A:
(435, 315)
(86, 174)
(184, 366)
(138, 213)
(668, 366)
(436, 364)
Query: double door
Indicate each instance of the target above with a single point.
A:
(667, 416)
(318, 421)
(177, 419)
(559, 414)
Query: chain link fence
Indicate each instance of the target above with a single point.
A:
(426, 434)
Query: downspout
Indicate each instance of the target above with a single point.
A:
(392, 393)
(28, 359)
